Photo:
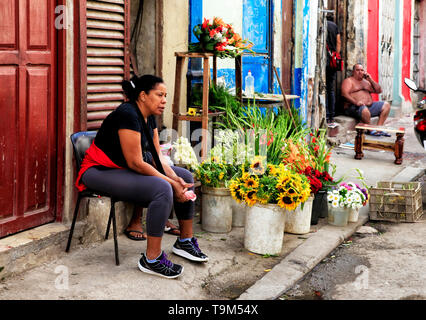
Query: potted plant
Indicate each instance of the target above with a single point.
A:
(268, 190)
(319, 182)
(216, 202)
(343, 199)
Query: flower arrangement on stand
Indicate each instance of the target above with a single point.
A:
(220, 38)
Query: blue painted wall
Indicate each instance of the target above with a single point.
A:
(300, 82)
(257, 27)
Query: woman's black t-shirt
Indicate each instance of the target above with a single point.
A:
(124, 117)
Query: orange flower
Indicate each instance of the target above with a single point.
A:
(219, 21)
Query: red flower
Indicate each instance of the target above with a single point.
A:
(205, 23)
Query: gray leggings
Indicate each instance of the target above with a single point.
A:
(150, 192)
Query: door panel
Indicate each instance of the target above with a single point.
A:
(8, 143)
(28, 124)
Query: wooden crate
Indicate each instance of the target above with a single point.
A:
(396, 201)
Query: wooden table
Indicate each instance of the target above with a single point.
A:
(269, 100)
(361, 143)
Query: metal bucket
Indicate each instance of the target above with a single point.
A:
(216, 210)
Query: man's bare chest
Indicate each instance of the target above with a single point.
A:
(358, 86)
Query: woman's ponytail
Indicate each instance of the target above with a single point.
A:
(133, 87)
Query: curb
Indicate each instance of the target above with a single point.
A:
(306, 256)
(302, 260)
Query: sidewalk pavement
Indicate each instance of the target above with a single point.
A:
(89, 273)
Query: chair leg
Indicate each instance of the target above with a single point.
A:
(109, 219)
(74, 219)
(114, 229)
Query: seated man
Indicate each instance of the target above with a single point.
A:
(356, 91)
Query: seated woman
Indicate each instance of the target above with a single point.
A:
(128, 170)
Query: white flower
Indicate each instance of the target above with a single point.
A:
(335, 204)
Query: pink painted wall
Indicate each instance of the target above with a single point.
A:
(373, 41)
(406, 47)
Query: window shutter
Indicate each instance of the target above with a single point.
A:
(105, 58)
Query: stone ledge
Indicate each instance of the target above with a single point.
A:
(346, 130)
(28, 249)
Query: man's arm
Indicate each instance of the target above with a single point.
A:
(375, 87)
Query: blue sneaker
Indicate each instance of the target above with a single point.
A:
(189, 249)
(161, 267)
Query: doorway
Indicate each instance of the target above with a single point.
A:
(28, 126)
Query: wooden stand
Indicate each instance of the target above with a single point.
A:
(361, 143)
(204, 118)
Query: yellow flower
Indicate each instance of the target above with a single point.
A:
(251, 183)
(285, 201)
(192, 112)
(221, 175)
(207, 179)
(256, 165)
(273, 170)
(251, 198)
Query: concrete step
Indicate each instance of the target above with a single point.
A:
(29, 249)
(345, 132)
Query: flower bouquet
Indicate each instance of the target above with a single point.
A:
(318, 180)
(220, 38)
(257, 182)
(348, 195)
(215, 173)
(184, 154)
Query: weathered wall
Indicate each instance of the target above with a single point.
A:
(357, 28)
(175, 38)
(145, 35)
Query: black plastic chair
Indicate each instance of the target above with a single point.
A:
(81, 141)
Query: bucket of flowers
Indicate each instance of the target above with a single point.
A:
(220, 38)
(320, 182)
(268, 190)
(346, 197)
(215, 176)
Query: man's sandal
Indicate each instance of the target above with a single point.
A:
(375, 133)
(384, 134)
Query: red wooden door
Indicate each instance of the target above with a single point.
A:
(27, 114)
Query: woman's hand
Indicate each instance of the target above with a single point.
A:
(179, 191)
(183, 183)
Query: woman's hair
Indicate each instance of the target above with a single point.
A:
(136, 85)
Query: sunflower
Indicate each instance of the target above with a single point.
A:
(250, 198)
(251, 183)
(236, 191)
(273, 170)
(256, 166)
(287, 202)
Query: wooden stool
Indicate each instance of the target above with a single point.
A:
(361, 143)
